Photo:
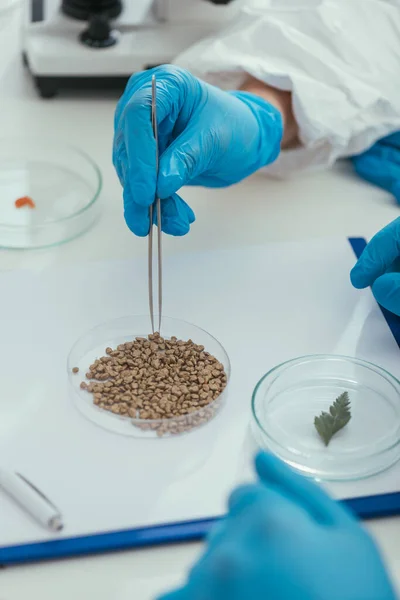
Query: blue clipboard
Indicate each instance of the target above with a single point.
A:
(368, 507)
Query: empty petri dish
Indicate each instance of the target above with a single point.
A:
(60, 186)
(93, 344)
(287, 399)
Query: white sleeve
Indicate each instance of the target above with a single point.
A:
(339, 58)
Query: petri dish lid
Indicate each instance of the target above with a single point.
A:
(63, 182)
(287, 399)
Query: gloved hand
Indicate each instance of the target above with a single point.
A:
(285, 539)
(207, 137)
(379, 267)
(380, 164)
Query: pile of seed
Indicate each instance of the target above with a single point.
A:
(155, 378)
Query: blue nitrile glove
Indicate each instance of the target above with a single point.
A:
(379, 267)
(380, 164)
(285, 539)
(207, 137)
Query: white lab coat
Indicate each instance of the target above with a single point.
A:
(339, 58)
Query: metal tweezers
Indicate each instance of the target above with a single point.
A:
(156, 204)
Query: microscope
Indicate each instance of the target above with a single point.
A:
(98, 44)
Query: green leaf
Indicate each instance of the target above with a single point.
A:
(329, 423)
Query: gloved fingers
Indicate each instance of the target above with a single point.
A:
(392, 140)
(134, 83)
(378, 256)
(217, 533)
(386, 290)
(225, 572)
(245, 496)
(177, 93)
(134, 139)
(136, 216)
(189, 155)
(176, 595)
(202, 583)
(222, 572)
(379, 165)
(396, 190)
(174, 87)
(140, 147)
(272, 508)
(176, 216)
(394, 267)
(264, 511)
(309, 495)
(120, 161)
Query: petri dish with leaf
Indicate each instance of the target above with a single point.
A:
(330, 417)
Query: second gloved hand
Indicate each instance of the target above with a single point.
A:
(285, 539)
(380, 164)
(379, 267)
(207, 137)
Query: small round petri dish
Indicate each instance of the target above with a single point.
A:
(288, 398)
(62, 182)
(92, 345)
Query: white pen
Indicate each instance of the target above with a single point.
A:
(31, 500)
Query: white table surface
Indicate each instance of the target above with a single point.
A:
(259, 210)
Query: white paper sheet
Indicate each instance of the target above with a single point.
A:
(265, 305)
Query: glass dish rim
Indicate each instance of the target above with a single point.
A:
(88, 159)
(364, 363)
(134, 420)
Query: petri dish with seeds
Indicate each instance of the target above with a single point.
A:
(49, 192)
(333, 418)
(148, 385)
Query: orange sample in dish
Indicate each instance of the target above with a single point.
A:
(24, 201)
